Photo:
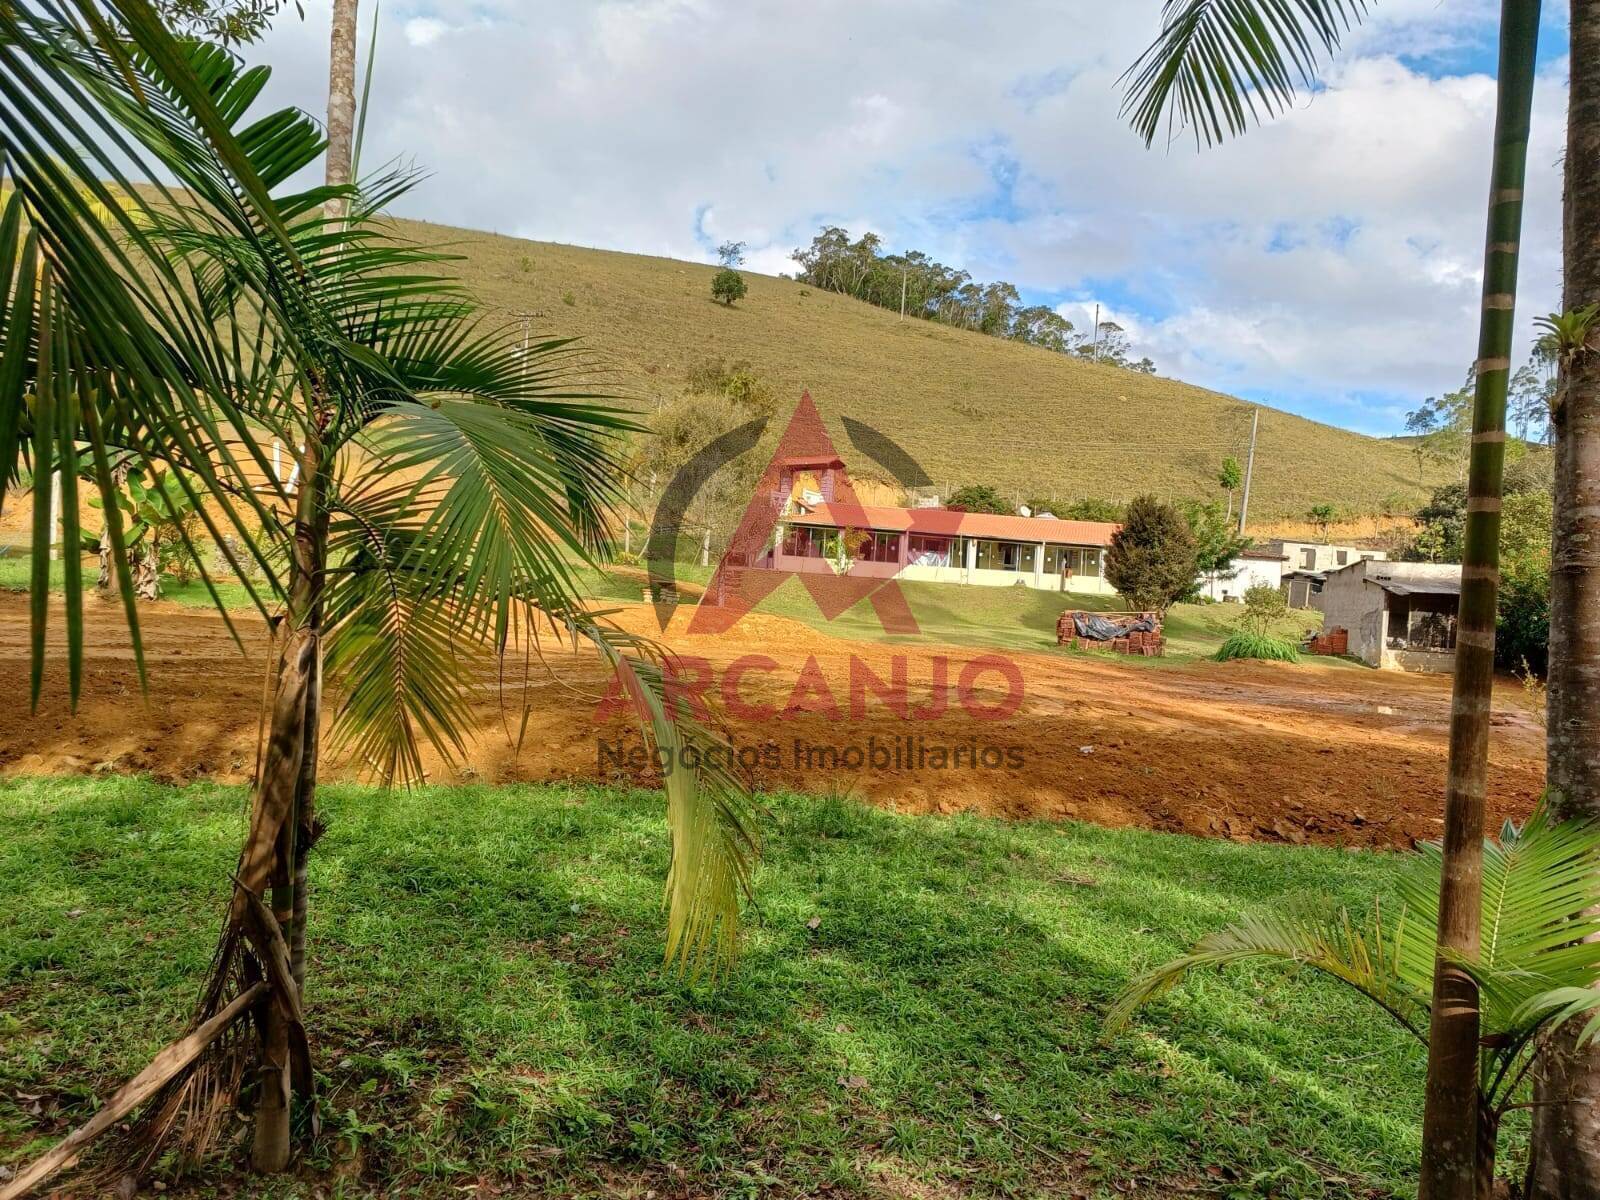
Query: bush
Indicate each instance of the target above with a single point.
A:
(1522, 631)
(978, 498)
(1090, 509)
(1242, 643)
(1264, 606)
(728, 285)
(1153, 559)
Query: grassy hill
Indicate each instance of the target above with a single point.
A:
(967, 407)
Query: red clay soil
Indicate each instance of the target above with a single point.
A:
(1275, 752)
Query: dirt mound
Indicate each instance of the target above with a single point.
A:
(1248, 751)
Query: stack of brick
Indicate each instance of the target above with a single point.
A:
(1335, 641)
(1145, 645)
(1140, 644)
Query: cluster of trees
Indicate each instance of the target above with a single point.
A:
(986, 498)
(1441, 426)
(1163, 552)
(718, 397)
(928, 289)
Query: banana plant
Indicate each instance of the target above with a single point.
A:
(1535, 969)
(156, 511)
(451, 480)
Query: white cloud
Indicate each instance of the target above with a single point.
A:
(1328, 258)
(425, 31)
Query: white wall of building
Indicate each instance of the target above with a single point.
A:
(1244, 573)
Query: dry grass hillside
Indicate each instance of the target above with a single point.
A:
(969, 408)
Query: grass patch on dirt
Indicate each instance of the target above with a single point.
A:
(16, 576)
(490, 1011)
(1015, 618)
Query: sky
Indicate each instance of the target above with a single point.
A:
(1327, 263)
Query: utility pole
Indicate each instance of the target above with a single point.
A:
(904, 271)
(1249, 468)
(55, 515)
(526, 318)
(1096, 331)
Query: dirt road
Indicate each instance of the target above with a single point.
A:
(1250, 751)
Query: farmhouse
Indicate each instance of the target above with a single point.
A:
(1400, 615)
(942, 545)
(1306, 565)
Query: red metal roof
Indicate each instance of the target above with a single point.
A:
(946, 522)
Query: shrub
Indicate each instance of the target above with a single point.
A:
(1264, 606)
(1153, 559)
(978, 498)
(1242, 643)
(1090, 509)
(728, 285)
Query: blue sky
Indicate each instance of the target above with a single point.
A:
(1326, 263)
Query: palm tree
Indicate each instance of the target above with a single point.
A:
(1217, 66)
(1534, 971)
(449, 481)
(1566, 1128)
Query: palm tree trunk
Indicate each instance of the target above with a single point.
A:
(341, 98)
(341, 127)
(1565, 1157)
(1450, 1114)
(1488, 1147)
(272, 855)
(307, 827)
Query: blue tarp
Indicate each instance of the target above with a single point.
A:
(1100, 629)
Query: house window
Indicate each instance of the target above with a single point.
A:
(797, 542)
(925, 550)
(804, 542)
(880, 547)
(1308, 558)
(1073, 560)
(1344, 557)
(1007, 556)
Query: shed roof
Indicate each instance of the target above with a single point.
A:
(1411, 579)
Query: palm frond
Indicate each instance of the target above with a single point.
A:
(1557, 1006)
(1539, 930)
(399, 646)
(131, 361)
(1219, 66)
(1372, 961)
(714, 842)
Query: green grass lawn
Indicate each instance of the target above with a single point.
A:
(16, 576)
(489, 1008)
(1013, 618)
